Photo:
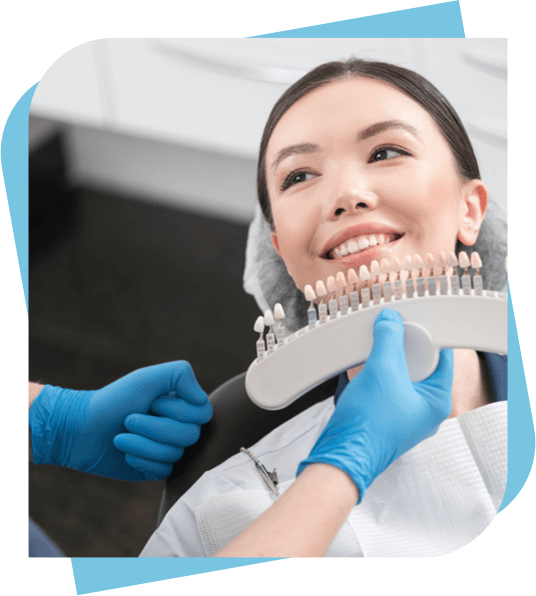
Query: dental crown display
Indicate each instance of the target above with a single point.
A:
(438, 312)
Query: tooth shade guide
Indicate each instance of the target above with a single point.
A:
(386, 290)
(306, 360)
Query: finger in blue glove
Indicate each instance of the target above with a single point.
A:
(381, 414)
(77, 428)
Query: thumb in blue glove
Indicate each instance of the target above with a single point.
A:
(162, 407)
(381, 414)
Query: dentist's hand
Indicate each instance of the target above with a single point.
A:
(133, 429)
(382, 414)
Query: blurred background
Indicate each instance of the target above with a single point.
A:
(142, 185)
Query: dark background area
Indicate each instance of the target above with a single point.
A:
(117, 283)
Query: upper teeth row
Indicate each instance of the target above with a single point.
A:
(359, 243)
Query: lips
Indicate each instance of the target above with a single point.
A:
(359, 238)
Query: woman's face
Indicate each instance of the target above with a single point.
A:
(357, 162)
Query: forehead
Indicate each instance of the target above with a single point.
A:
(347, 106)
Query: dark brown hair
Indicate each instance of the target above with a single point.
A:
(406, 81)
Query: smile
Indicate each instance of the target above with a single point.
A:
(359, 244)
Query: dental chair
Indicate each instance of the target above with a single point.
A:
(237, 422)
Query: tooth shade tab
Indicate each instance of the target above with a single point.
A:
(320, 288)
(429, 260)
(279, 313)
(452, 261)
(332, 284)
(464, 260)
(442, 260)
(454, 279)
(352, 277)
(364, 273)
(408, 263)
(418, 262)
(259, 325)
(341, 280)
(397, 265)
(385, 266)
(268, 318)
(476, 261)
(375, 269)
(309, 293)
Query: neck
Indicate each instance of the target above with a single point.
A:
(471, 387)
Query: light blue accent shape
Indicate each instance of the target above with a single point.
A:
(95, 575)
(14, 155)
(520, 424)
(438, 20)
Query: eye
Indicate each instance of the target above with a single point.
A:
(383, 153)
(295, 178)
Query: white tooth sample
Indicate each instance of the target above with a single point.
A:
(452, 261)
(363, 243)
(352, 246)
(386, 266)
(352, 277)
(408, 263)
(372, 241)
(259, 325)
(397, 265)
(429, 260)
(476, 261)
(309, 293)
(464, 260)
(320, 288)
(332, 284)
(341, 280)
(343, 250)
(381, 239)
(375, 268)
(442, 259)
(268, 318)
(279, 313)
(364, 273)
(418, 262)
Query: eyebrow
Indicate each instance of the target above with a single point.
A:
(372, 130)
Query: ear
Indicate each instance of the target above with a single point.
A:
(273, 237)
(475, 203)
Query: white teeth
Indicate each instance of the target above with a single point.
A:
(353, 246)
(363, 243)
(359, 244)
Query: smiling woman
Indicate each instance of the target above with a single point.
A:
(360, 162)
(369, 174)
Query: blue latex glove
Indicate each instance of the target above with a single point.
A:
(381, 413)
(133, 429)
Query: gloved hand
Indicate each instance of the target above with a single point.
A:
(381, 413)
(162, 407)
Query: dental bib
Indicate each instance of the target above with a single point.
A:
(433, 500)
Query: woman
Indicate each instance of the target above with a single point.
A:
(368, 153)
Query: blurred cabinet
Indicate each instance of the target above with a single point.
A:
(208, 93)
(214, 96)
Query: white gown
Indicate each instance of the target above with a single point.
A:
(431, 501)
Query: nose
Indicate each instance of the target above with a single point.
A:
(350, 195)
